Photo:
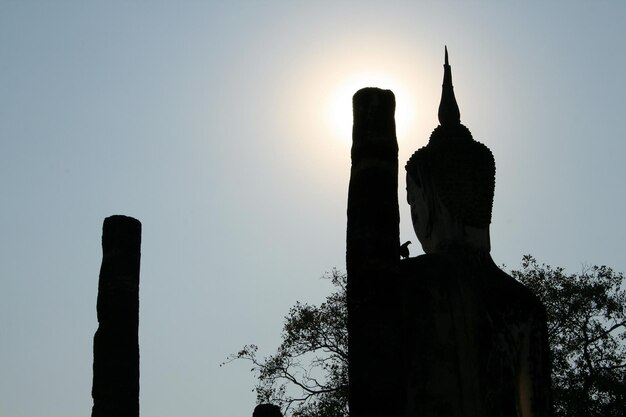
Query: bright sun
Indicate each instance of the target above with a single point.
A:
(339, 106)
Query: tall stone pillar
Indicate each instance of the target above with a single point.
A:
(372, 259)
(115, 389)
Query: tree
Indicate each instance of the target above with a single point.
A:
(586, 332)
(308, 375)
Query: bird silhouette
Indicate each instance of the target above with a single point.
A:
(404, 249)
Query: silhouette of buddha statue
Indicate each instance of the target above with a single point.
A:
(476, 339)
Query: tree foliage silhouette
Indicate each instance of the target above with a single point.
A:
(587, 336)
(308, 375)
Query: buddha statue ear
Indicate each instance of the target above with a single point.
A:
(422, 199)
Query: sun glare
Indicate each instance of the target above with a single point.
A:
(339, 106)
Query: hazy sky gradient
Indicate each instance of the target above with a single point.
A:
(209, 122)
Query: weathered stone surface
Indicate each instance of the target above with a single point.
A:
(446, 333)
(115, 389)
(373, 249)
(482, 333)
(476, 341)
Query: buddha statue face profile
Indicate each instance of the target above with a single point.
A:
(450, 182)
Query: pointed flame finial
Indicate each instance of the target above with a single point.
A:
(449, 113)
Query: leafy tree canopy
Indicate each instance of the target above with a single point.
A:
(587, 336)
(308, 375)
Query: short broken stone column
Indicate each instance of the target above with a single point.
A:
(267, 410)
(115, 388)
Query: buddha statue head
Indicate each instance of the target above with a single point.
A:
(450, 182)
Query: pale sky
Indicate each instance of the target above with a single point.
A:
(225, 129)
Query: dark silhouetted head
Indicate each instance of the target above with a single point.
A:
(453, 170)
